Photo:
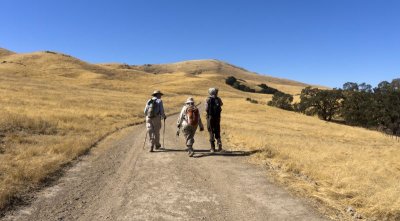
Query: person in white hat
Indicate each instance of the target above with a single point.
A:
(189, 120)
(154, 111)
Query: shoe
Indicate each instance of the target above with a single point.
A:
(190, 151)
(212, 150)
(219, 146)
(158, 147)
(151, 148)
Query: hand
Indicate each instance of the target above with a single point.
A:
(165, 117)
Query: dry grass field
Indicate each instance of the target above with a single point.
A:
(339, 166)
(54, 108)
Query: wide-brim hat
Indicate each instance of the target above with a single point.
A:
(189, 100)
(157, 92)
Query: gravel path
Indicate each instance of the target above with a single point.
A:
(119, 180)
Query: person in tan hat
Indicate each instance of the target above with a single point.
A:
(189, 120)
(154, 111)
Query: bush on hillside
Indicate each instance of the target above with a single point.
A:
(252, 100)
(235, 83)
(282, 100)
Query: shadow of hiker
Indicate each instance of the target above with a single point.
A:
(225, 153)
(161, 150)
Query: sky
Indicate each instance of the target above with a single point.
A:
(323, 42)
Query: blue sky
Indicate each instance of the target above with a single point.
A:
(326, 42)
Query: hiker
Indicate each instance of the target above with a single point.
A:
(189, 120)
(154, 111)
(213, 110)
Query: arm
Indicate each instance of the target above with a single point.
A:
(207, 100)
(201, 124)
(162, 113)
(180, 118)
(146, 108)
(220, 101)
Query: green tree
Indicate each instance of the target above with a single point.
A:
(282, 100)
(325, 103)
(387, 97)
(359, 108)
(350, 86)
(230, 80)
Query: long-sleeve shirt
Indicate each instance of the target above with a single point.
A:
(183, 118)
(159, 107)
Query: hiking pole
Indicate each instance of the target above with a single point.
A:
(163, 136)
(145, 138)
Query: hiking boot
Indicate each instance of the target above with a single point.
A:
(219, 146)
(212, 150)
(158, 146)
(190, 151)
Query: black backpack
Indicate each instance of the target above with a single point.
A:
(214, 107)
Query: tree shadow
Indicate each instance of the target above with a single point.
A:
(225, 153)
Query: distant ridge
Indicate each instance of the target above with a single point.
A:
(197, 67)
(55, 63)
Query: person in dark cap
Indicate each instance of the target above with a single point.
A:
(213, 110)
(154, 112)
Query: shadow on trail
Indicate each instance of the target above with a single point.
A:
(162, 150)
(225, 153)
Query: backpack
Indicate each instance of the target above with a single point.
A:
(193, 116)
(214, 107)
(152, 108)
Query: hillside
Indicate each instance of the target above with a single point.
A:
(5, 52)
(55, 107)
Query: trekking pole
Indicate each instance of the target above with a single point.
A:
(163, 136)
(145, 138)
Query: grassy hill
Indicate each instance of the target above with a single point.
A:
(55, 107)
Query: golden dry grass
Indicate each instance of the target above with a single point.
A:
(55, 107)
(337, 165)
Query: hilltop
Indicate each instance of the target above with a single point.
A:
(216, 70)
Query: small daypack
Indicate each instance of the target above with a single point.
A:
(193, 116)
(214, 107)
(152, 108)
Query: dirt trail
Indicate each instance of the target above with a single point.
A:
(119, 180)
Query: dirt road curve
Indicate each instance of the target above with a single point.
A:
(119, 180)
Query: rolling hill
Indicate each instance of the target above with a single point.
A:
(55, 107)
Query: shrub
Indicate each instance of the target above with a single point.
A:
(230, 80)
(282, 100)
